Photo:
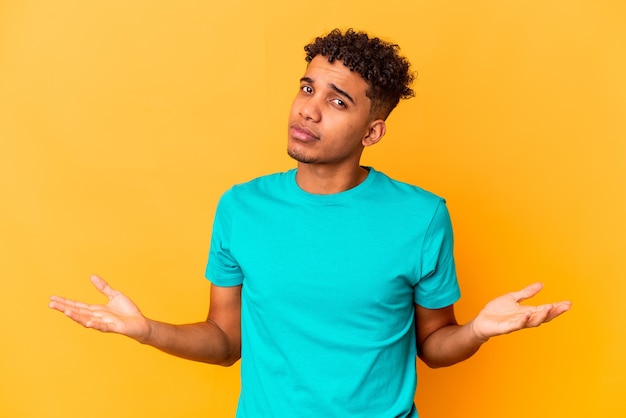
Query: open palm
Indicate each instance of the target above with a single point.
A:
(505, 314)
(120, 315)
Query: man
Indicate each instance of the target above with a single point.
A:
(329, 279)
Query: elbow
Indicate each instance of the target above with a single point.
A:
(436, 359)
(229, 361)
(228, 358)
(434, 363)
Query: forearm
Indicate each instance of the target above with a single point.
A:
(203, 341)
(450, 345)
(444, 343)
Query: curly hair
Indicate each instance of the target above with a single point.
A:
(378, 62)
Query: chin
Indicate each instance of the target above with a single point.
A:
(299, 157)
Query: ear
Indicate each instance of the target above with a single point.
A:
(377, 130)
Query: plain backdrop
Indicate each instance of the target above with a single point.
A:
(122, 122)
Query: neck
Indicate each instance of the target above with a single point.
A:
(321, 179)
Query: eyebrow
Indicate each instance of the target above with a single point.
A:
(332, 86)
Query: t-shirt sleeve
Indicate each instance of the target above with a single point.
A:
(222, 269)
(438, 285)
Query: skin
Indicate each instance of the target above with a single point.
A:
(330, 124)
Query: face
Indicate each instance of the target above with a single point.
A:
(330, 119)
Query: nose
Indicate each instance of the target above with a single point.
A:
(310, 109)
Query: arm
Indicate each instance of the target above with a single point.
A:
(216, 340)
(443, 342)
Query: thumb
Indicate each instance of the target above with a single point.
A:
(527, 292)
(103, 287)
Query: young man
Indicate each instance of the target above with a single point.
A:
(329, 279)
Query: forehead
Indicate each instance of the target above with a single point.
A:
(325, 73)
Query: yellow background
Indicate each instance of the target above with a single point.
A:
(122, 122)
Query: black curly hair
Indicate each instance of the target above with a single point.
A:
(378, 62)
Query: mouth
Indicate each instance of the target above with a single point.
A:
(302, 133)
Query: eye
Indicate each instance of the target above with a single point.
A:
(339, 102)
(307, 89)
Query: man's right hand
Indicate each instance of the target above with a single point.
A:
(120, 315)
(216, 340)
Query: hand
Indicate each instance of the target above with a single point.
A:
(120, 315)
(504, 314)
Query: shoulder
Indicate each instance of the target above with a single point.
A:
(262, 183)
(410, 193)
(258, 189)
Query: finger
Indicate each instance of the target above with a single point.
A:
(539, 315)
(546, 313)
(527, 292)
(98, 325)
(103, 286)
(58, 305)
(92, 317)
(61, 304)
(558, 309)
(103, 321)
(83, 316)
(66, 305)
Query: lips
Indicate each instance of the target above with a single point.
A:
(302, 133)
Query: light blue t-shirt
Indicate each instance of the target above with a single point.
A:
(329, 286)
